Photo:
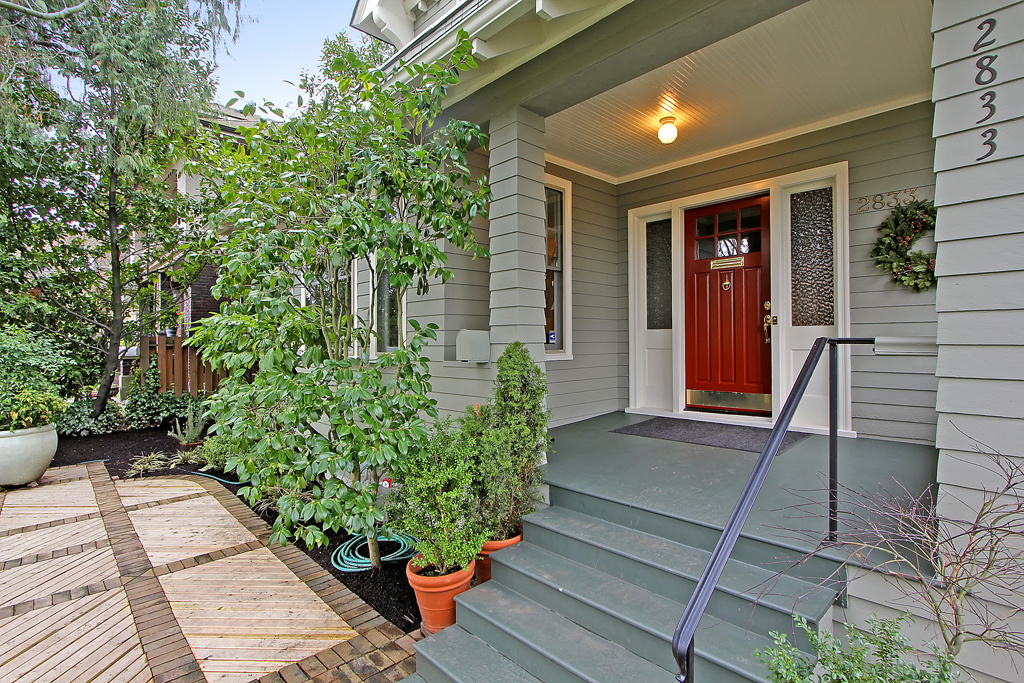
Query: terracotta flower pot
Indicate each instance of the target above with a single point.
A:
(483, 564)
(435, 595)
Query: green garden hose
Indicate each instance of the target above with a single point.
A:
(352, 556)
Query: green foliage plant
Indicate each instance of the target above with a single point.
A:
(433, 501)
(155, 461)
(892, 251)
(511, 439)
(145, 406)
(319, 403)
(214, 452)
(88, 217)
(34, 359)
(195, 422)
(873, 656)
(28, 408)
(77, 420)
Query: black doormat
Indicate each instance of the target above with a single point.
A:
(738, 437)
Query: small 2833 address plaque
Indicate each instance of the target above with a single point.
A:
(886, 200)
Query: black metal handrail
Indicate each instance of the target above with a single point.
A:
(682, 641)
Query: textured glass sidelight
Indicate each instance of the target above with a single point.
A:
(659, 275)
(813, 258)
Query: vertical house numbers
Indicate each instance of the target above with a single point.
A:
(987, 75)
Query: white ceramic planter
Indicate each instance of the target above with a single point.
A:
(26, 453)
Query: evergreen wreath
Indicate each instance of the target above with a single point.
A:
(903, 227)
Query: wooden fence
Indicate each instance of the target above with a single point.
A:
(182, 368)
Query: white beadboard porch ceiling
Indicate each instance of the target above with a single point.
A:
(821, 63)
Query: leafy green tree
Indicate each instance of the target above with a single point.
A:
(353, 182)
(87, 217)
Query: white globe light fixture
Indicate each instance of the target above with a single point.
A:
(668, 133)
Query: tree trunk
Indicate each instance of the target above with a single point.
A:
(374, 545)
(116, 305)
(99, 404)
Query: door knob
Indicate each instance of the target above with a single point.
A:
(768, 328)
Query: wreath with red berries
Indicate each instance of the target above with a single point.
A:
(892, 252)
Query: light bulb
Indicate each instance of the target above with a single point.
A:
(668, 133)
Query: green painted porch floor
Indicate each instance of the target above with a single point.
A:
(703, 483)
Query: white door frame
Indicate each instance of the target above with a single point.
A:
(834, 175)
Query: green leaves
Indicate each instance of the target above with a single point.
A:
(347, 192)
(873, 655)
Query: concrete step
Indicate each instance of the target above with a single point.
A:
(414, 678)
(549, 646)
(633, 617)
(456, 656)
(747, 595)
(774, 554)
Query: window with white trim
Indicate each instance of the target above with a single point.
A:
(558, 268)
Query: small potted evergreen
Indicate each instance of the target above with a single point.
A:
(510, 437)
(432, 500)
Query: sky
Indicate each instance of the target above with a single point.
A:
(283, 39)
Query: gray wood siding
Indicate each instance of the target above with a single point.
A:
(595, 381)
(890, 151)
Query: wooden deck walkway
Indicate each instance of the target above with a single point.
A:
(171, 580)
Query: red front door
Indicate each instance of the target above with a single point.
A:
(728, 350)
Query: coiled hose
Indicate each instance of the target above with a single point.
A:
(353, 556)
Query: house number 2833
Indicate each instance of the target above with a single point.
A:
(986, 75)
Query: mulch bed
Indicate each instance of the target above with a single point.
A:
(387, 590)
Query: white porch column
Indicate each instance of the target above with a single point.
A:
(517, 231)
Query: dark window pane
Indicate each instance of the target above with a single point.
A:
(750, 242)
(554, 322)
(750, 217)
(727, 222)
(705, 226)
(706, 248)
(659, 275)
(389, 315)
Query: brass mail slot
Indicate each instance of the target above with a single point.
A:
(731, 262)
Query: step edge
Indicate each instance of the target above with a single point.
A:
(539, 648)
(726, 625)
(810, 615)
(447, 671)
(834, 557)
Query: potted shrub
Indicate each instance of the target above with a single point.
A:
(432, 500)
(191, 434)
(28, 436)
(511, 438)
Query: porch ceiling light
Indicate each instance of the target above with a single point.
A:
(668, 133)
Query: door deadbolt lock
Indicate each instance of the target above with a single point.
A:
(767, 305)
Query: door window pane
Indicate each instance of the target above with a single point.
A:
(705, 226)
(813, 257)
(659, 274)
(727, 246)
(706, 248)
(726, 222)
(750, 217)
(750, 242)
